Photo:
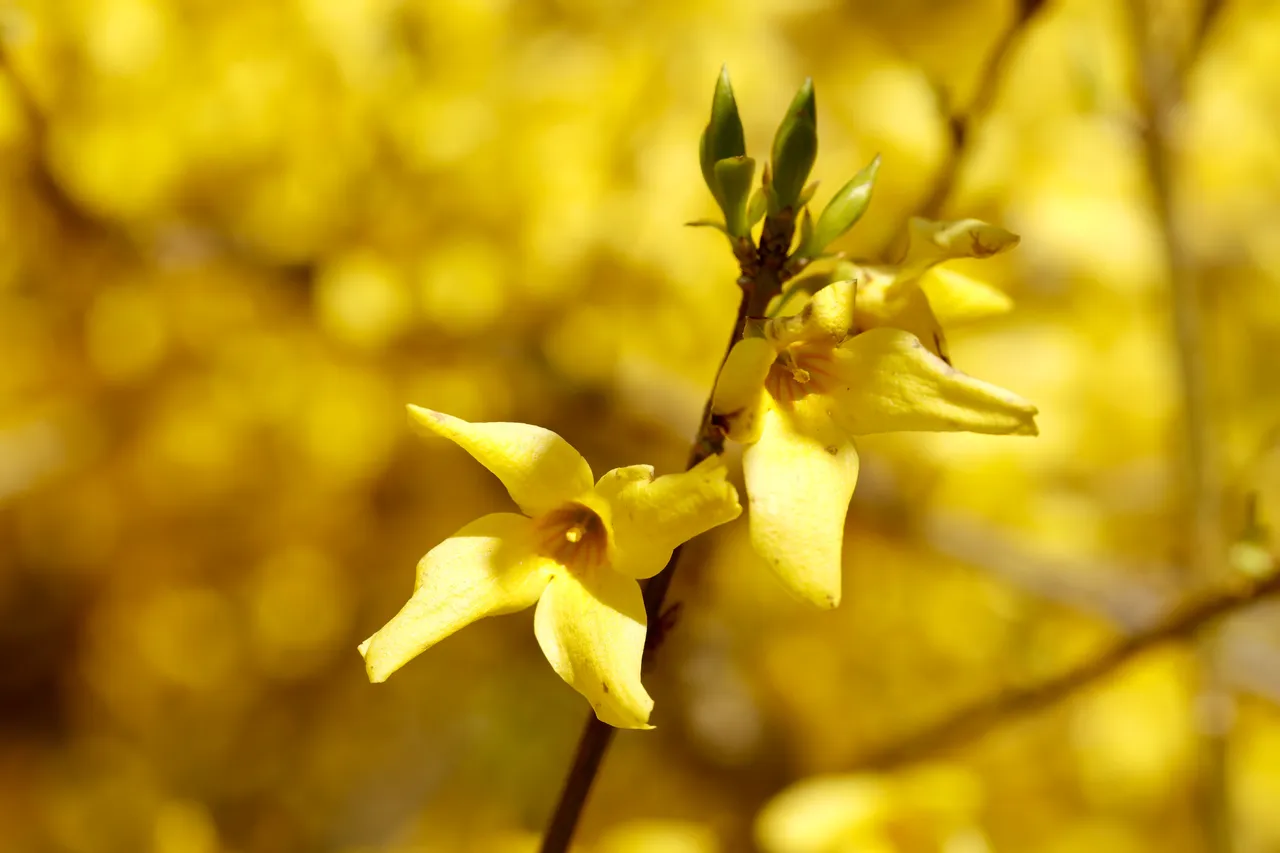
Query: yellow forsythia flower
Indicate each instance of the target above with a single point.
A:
(840, 368)
(922, 294)
(576, 551)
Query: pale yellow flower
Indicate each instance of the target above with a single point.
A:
(576, 552)
(841, 367)
(922, 293)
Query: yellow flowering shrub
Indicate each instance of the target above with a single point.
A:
(237, 238)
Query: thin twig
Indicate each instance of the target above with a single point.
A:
(985, 715)
(1163, 84)
(1128, 595)
(961, 124)
(759, 282)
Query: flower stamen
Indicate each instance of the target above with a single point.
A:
(574, 536)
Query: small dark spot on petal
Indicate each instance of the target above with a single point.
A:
(942, 353)
(832, 449)
(605, 686)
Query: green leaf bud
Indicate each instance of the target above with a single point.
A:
(795, 147)
(722, 138)
(757, 206)
(845, 208)
(733, 176)
(806, 235)
(806, 195)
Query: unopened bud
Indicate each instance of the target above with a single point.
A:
(845, 208)
(795, 147)
(722, 138)
(733, 179)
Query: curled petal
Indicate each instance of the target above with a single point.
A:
(886, 381)
(881, 303)
(743, 374)
(652, 516)
(739, 389)
(868, 301)
(800, 476)
(827, 316)
(957, 298)
(539, 468)
(486, 568)
(591, 626)
(932, 242)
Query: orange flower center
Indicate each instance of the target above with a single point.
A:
(574, 536)
(800, 370)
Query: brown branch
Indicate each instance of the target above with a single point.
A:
(961, 124)
(983, 716)
(1162, 78)
(759, 281)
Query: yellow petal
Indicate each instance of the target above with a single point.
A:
(486, 568)
(539, 468)
(800, 476)
(957, 298)
(652, 516)
(827, 316)
(742, 375)
(591, 626)
(932, 242)
(882, 303)
(886, 381)
(740, 387)
(869, 300)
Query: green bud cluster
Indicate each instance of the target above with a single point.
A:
(729, 173)
(795, 147)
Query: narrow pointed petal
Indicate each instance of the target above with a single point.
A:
(885, 380)
(957, 298)
(932, 242)
(963, 238)
(881, 303)
(539, 468)
(652, 516)
(591, 626)
(800, 476)
(485, 569)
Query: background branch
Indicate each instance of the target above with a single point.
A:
(982, 717)
(961, 124)
(1162, 74)
(1130, 596)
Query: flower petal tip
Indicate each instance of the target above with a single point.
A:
(426, 417)
(622, 721)
(824, 600)
(815, 594)
(374, 668)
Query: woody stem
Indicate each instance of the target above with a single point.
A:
(760, 281)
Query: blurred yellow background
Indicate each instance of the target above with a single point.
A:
(237, 237)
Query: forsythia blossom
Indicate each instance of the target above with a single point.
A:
(921, 294)
(577, 552)
(843, 366)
